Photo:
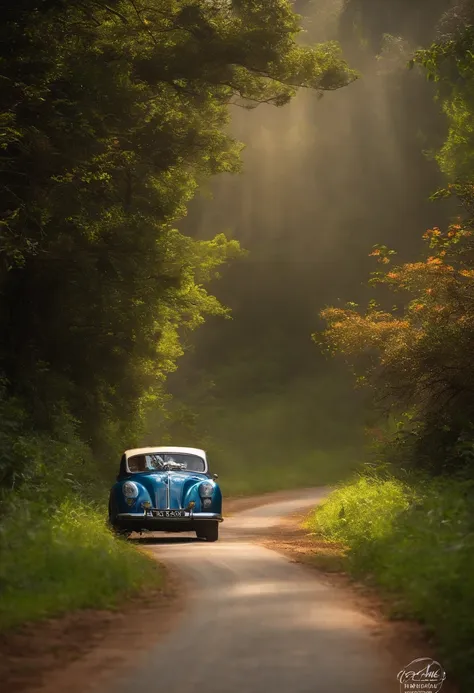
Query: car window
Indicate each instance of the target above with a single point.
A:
(157, 461)
(137, 463)
(193, 463)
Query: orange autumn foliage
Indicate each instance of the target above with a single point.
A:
(418, 356)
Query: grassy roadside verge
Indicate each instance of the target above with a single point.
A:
(415, 542)
(53, 563)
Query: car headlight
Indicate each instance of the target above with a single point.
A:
(130, 490)
(206, 489)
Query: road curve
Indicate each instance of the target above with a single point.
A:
(258, 623)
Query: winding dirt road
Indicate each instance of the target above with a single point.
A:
(258, 623)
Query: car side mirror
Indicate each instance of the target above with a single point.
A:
(215, 476)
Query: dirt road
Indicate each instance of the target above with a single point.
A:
(258, 623)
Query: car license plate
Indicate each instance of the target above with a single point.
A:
(170, 513)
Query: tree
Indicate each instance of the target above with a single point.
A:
(415, 357)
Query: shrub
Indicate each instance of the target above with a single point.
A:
(417, 543)
(53, 563)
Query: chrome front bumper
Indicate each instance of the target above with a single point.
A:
(192, 517)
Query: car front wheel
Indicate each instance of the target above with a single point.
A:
(208, 531)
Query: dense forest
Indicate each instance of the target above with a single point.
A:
(236, 167)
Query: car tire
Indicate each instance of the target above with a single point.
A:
(208, 531)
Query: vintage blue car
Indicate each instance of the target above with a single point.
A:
(166, 489)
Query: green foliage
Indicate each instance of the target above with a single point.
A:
(450, 64)
(112, 115)
(415, 541)
(351, 514)
(46, 465)
(56, 562)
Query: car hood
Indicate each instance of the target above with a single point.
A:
(179, 484)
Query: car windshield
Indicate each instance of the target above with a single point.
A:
(157, 461)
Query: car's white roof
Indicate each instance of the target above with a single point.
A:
(165, 448)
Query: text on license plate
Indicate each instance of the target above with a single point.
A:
(169, 513)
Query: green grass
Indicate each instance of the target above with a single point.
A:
(257, 472)
(272, 442)
(51, 563)
(416, 542)
(258, 440)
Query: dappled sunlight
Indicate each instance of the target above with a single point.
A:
(330, 616)
(263, 588)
